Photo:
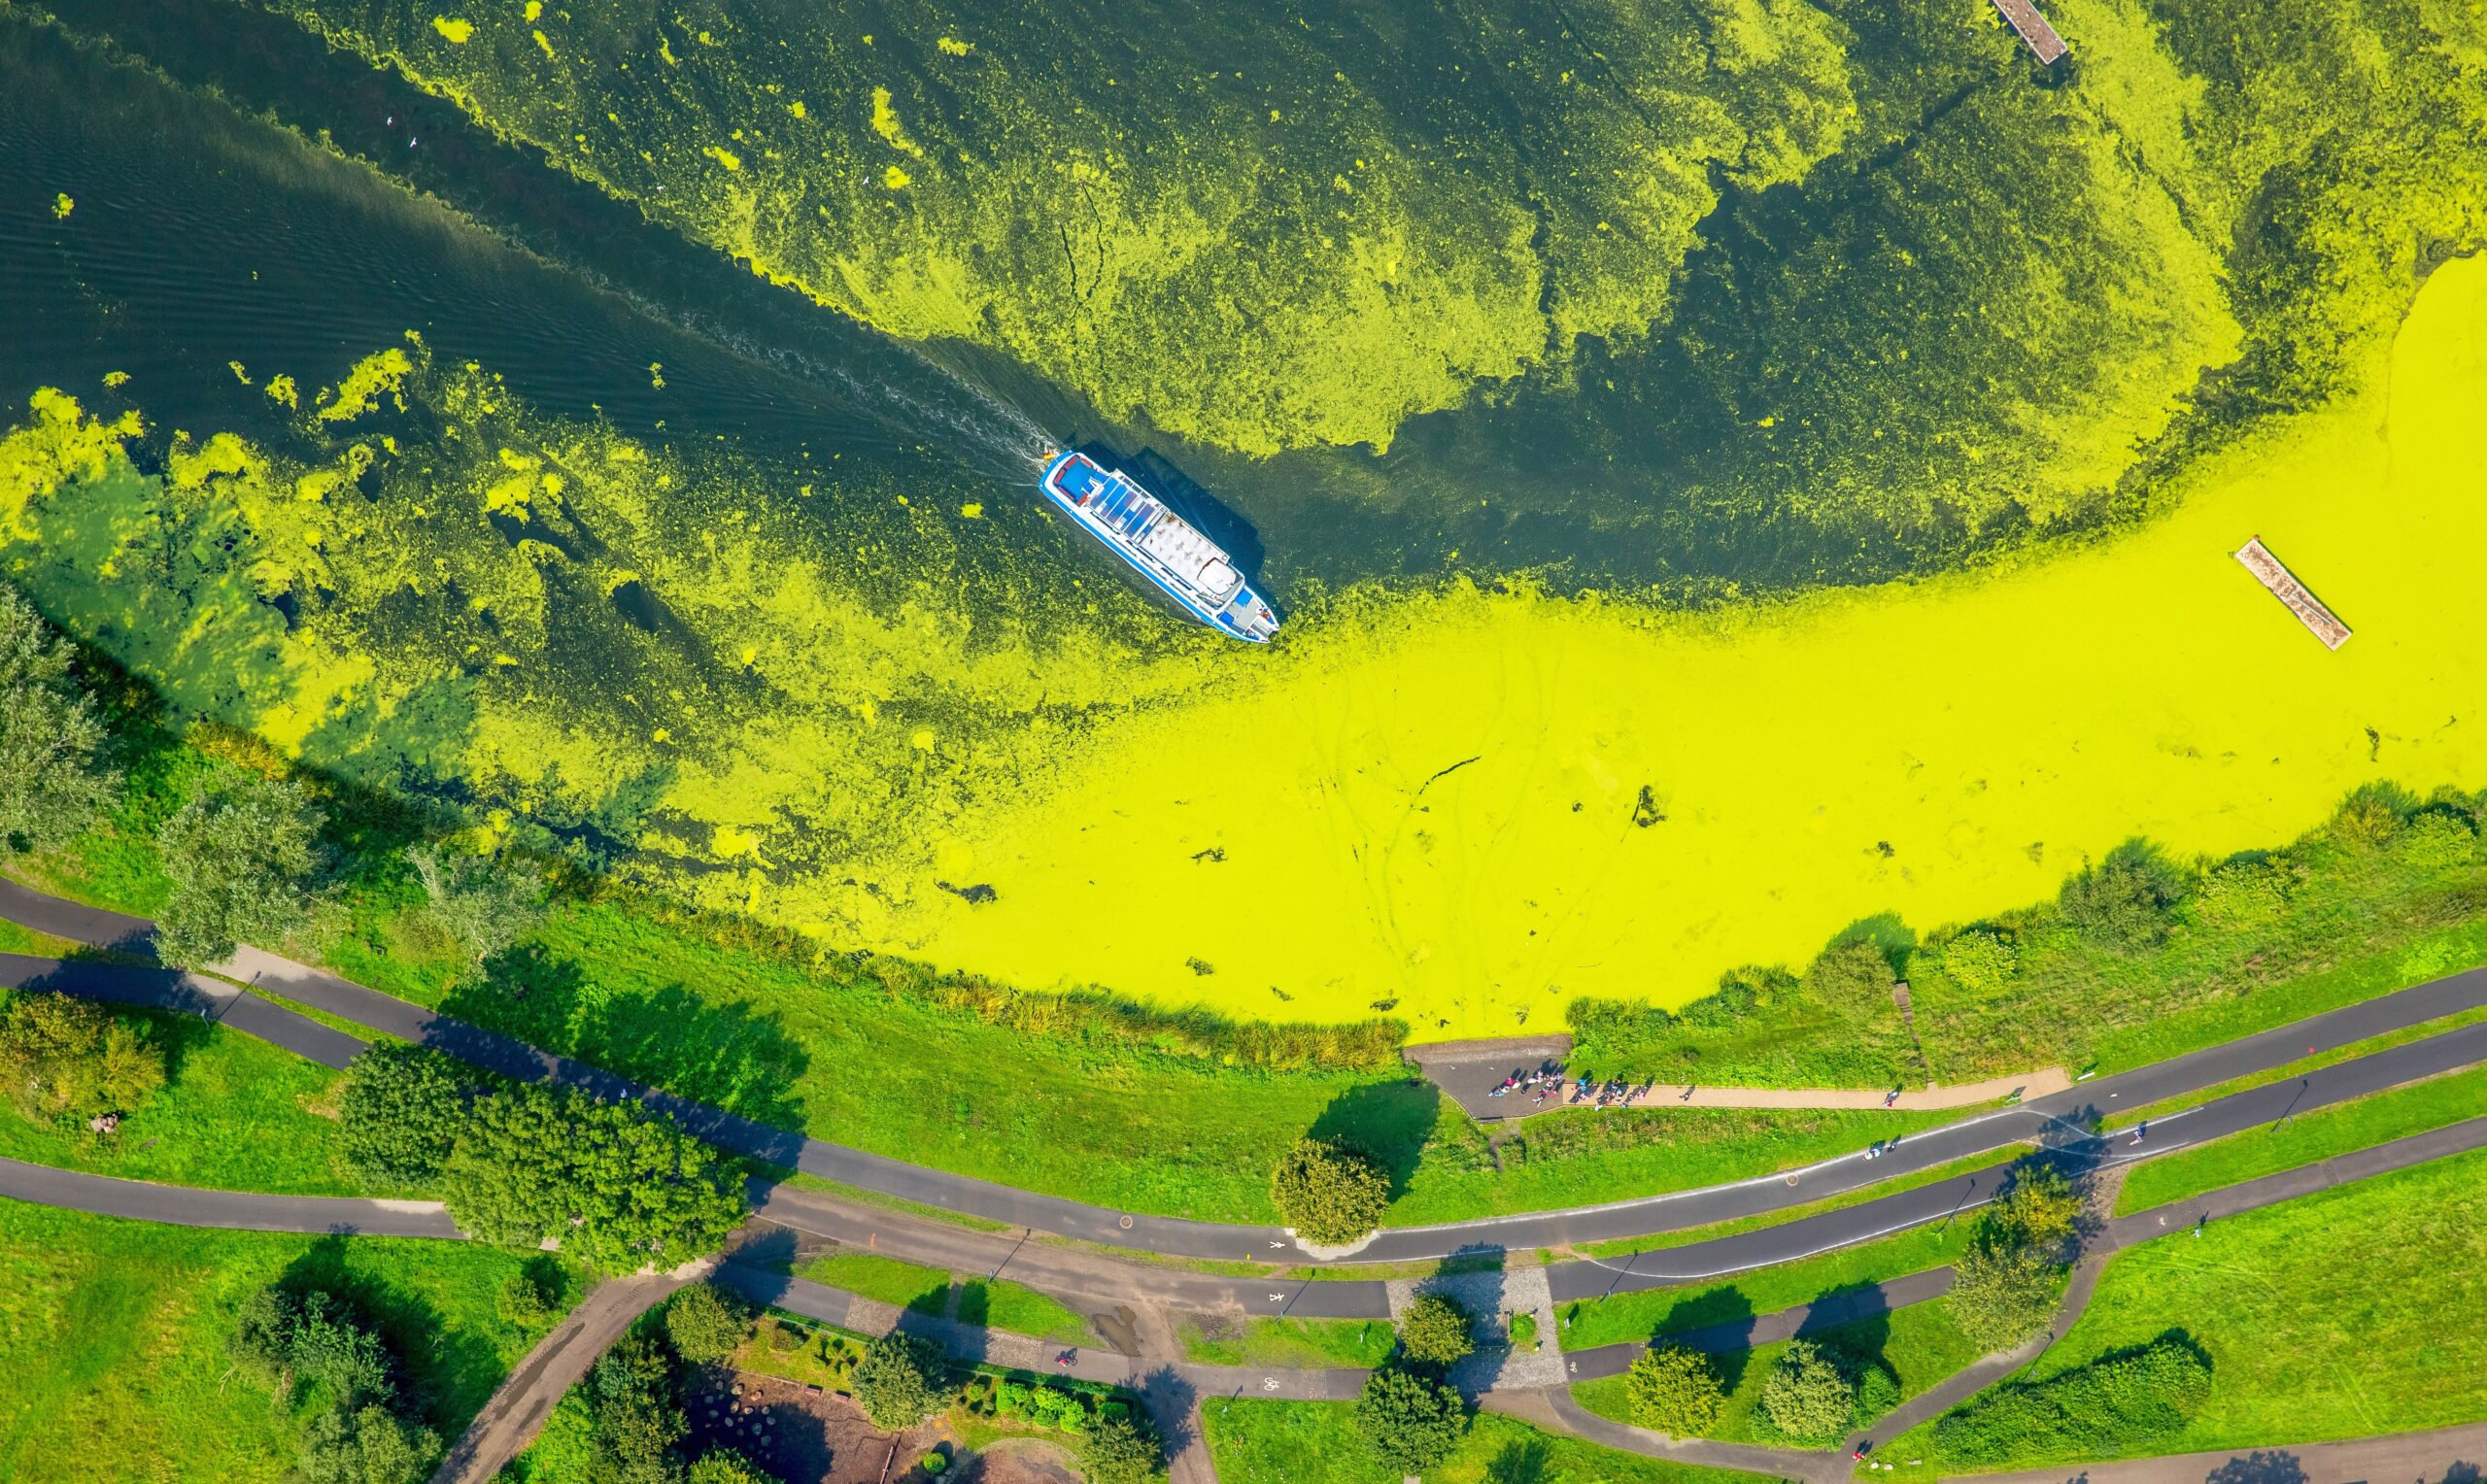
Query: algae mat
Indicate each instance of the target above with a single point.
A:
(1440, 809)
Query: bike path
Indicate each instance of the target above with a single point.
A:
(1644, 1216)
(185, 1205)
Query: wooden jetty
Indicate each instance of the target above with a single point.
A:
(2275, 575)
(2032, 29)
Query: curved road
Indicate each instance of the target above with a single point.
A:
(2038, 1120)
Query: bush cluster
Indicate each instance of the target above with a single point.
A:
(1330, 1194)
(321, 1352)
(66, 1062)
(2115, 1405)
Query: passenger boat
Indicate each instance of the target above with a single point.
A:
(1189, 567)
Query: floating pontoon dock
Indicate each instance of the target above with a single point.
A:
(2044, 43)
(2284, 586)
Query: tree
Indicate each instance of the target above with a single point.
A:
(1119, 1451)
(530, 1295)
(637, 1425)
(483, 905)
(243, 859)
(1331, 1195)
(2122, 903)
(1674, 1391)
(1809, 1394)
(67, 1060)
(400, 1114)
(1853, 978)
(619, 1187)
(899, 1382)
(1410, 1421)
(706, 1322)
(2041, 1209)
(2000, 1297)
(1437, 1332)
(1981, 962)
(53, 781)
(367, 1445)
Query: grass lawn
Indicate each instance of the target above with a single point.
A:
(1659, 1241)
(235, 1114)
(1918, 1345)
(1587, 1156)
(1002, 1305)
(1315, 1442)
(113, 1335)
(1290, 1344)
(1588, 1323)
(2375, 1119)
(2349, 1313)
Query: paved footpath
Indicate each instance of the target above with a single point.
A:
(183, 1205)
(1983, 1133)
(2452, 1454)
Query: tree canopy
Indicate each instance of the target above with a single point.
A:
(67, 1060)
(1115, 1450)
(1853, 978)
(900, 1381)
(1809, 1394)
(1329, 1194)
(2123, 901)
(1437, 1332)
(1410, 1421)
(53, 778)
(619, 1187)
(244, 859)
(1673, 1390)
(400, 1113)
(705, 1322)
(482, 904)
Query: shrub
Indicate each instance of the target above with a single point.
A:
(1980, 961)
(67, 1060)
(1674, 1391)
(53, 781)
(2116, 1404)
(2122, 902)
(531, 1295)
(2434, 841)
(1411, 1422)
(1853, 978)
(2241, 893)
(726, 1465)
(899, 1382)
(636, 1424)
(2000, 1297)
(483, 906)
(1118, 1451)
(399, 1114)
(706, 1322)
(1809, 1394)
(365, 1445)
(1878, 1391)
(1437, 1332)
(242, 857)
(2041, 1209)
(1330, 1194)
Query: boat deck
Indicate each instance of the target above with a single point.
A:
(2033, 30)
(2284, 585)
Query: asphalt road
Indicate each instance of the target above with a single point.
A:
(2042, 1120)
(183, 1205)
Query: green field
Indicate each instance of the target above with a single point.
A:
(1315, 1442)
(1650, 1312)
(1918, 1346)
(1294, 1343)
(2377, 1119)
(235, 1114)
(1005, 1305)
(113, 1337)
(2341, 1314)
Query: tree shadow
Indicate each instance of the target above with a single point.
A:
(1392, 1121)
(443, 1375)
(724, 1054)
(1886, 931)
(1530, 1460)
(2276, 1467)
(1719, 1324)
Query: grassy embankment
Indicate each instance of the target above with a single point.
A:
(1917, 1347)
(112, 1334)
(1315, 1442)
(2337, 1315)
(1651, 1312)
(234, 1114)
(1298, 1343)
(999, 1304)
(2305, 1139)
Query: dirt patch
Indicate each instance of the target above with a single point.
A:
(809, 1435)
(1021, 1460)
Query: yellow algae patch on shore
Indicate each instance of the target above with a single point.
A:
(1470, 808)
